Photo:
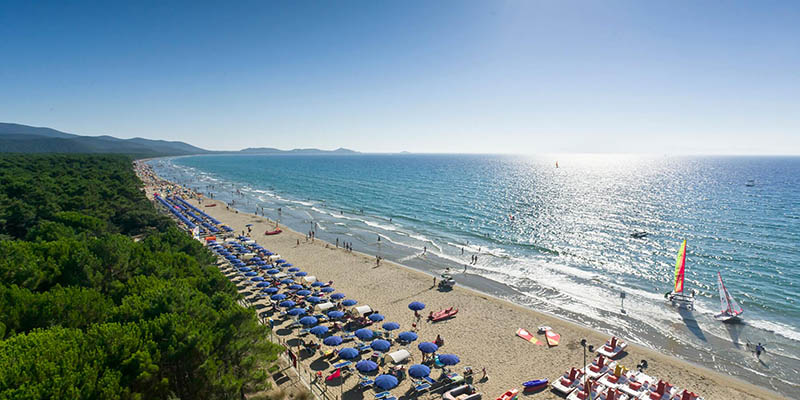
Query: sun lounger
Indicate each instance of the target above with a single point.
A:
(342, 364)
(365, 383)
(382, 395)
(422, 387)
(390, 398)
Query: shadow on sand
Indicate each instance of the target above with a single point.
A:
(691, 324)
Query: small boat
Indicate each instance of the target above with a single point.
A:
(568, 382)
(730, 309)
(275, 232)
(677, 297)
(535, 384)
(612, 347)
(447, 282)
(442, 314)
(211, 205)
(509, 395)
(750, 183)
(639, 234)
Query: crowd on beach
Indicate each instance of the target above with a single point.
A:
(255, 270)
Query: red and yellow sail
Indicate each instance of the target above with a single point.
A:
(680, 263)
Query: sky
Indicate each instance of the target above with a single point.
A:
(671, 77)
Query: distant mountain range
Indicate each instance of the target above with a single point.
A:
(270, 150)
(16, 138)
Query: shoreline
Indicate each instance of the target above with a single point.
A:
(478, 318)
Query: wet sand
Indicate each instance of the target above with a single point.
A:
(483, 332)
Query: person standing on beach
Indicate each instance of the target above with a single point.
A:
(337, 243)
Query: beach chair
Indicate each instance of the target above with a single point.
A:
(421, 388)
(343, 364)
(365, 382)
(382, 395)
(364, 348)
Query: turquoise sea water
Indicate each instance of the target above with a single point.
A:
(558, 239)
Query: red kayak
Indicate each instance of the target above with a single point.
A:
(211, 205)
(275, 232)
(443, 314)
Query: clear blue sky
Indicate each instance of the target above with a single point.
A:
(428, 76)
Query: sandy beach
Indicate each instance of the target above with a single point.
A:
(483, 332)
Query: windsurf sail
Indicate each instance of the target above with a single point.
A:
(727, 303)
(680, 264)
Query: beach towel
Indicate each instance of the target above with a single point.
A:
(334, 375)
(527, 336)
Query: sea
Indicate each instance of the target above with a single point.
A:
(553, 233)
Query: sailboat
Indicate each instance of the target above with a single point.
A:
(677, 296)
(730, 309)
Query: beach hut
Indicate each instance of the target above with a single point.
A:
(323, 306)
(361, 310)
(399, 356)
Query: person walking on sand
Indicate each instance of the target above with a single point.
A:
(434, 282)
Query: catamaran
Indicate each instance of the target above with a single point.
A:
(730, 309)
(677, 296)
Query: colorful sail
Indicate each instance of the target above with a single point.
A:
(727, 303)
(680, 264)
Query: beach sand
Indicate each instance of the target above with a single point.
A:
(483, 332)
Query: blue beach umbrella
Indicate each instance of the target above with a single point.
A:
(337, 296)
(263, 284)
(308, 321)
(418, 371)
(245, 269)
(375, 317)
(303, 292)
(390, 326)
(296, 312)
(349, 302)
(295, 287)
(386, 382)
(366, 366)
(280, 261)
(269, 253)
(314, 299)
(257, 279)
(251, 273)
(427, 347)
(264, 267)
(273, 271)
(271, 290)
(293, 269)
(335, 314)
(332, 341)
(317, 284)
(301, 273)
(327, 289)
(287, 304)
(449, 359)
(416, 306)
(278, 297)
(348, 353)
(380, 345)
(287, 281)
(284, 265)
(365, 334)
(407, 336)
(319, 330)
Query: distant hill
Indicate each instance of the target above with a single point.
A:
(16, 138)
(270, 150)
